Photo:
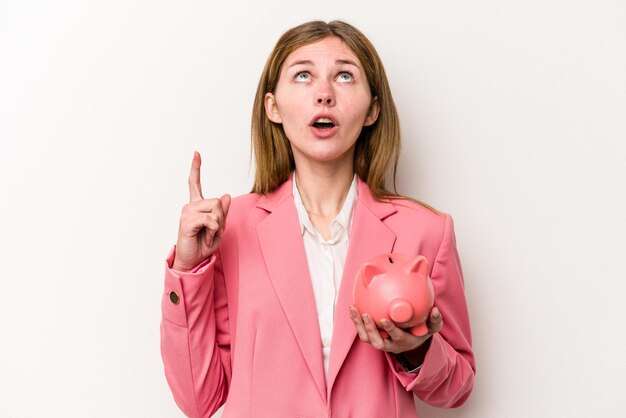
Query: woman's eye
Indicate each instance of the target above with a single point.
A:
(343, 77)
(302, 76)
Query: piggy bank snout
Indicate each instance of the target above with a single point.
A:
(400, 311)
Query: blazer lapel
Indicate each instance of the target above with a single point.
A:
(283, 251)
(369, 237)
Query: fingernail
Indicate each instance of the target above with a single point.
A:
(384, 323)
(436, 313)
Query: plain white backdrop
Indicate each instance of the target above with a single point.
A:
(513, 116)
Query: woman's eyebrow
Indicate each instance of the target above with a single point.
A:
(349, 62)
(309, 62)
(302, 62)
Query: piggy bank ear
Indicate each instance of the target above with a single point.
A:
(369, 272)
(417, 265)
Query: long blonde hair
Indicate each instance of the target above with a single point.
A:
(377, 149)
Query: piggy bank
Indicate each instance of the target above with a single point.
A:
(396, 287)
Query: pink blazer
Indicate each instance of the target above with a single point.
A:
(245, 328)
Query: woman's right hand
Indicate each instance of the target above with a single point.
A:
(202, 223)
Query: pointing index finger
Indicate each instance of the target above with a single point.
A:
(195, 188)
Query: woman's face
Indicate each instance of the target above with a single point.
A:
(323, 100)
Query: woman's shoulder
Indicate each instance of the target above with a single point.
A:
(243, 203)
(407, 206)
(413, 216)
(404, 214)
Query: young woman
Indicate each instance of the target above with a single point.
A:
(257, 308)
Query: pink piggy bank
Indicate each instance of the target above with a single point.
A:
(396, 287)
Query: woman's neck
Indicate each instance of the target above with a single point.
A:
(323, 189)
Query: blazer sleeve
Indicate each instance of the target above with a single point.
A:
(195, 341)
(446, 377)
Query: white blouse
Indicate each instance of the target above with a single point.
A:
(326, 259)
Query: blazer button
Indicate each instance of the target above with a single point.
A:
(174, 298)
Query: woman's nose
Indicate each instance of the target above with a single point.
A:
(326, 99)
(325, 95)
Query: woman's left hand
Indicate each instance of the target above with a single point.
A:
(399, 340)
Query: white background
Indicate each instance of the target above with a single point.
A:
(514, 120)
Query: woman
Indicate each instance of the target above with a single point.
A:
(257, 303)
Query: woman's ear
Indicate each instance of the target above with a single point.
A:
(372, 115)
(271, 108)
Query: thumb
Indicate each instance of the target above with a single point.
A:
(435, 322)
(225, 199)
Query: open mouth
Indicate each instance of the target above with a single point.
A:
(324, 125)
(323, 122)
